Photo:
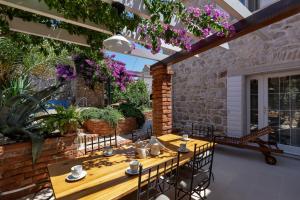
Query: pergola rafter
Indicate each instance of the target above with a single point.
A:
(41, 30)
(134, 6)
(269, 15)
(40, 8)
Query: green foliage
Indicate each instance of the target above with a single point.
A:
(66, 120)
(108, 114)
(136, 94)
(129, 110)
(15, 87)
(18, 119)
(41, 59)
(96, 11)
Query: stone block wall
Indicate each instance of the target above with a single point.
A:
(19, 176)
(94, 97)
(199, 83)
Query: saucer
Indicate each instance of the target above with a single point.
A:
(183, 150)
(108, 155)
(71, 178)
(130, 172)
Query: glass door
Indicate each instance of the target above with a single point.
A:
(274, 100)
(283, 99)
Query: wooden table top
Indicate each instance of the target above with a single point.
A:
(106, 178)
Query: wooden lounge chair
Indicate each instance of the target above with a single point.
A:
(252, 141)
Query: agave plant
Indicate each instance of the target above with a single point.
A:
(18, 119)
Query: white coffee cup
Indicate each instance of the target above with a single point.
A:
(142, 152)
(76, 170)
(134, 165)
(185, 136)
(182, 147)
(108, 150)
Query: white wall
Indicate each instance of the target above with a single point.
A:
(236, 106)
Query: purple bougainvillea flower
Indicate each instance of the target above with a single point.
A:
(64, 72)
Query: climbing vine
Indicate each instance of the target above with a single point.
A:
(200, 22)
(95, 11)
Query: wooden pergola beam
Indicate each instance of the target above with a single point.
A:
(41, 30)
(264, 17)
(40, 8)
(134, 6)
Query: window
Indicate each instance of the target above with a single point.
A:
(252, 5)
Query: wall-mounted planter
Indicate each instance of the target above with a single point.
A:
(19, 176)
(101, 127)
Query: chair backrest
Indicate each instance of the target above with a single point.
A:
(202, 130)
(142, 134)
(94, 143)
(155, 180)
(252, 136)
(203, 161)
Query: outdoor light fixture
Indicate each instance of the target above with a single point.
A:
(118, 43)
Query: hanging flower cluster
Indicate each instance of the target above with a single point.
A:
(64, 72)
(197, 21)
(119, 73)
(89, 70)
(207, 21)
(153, 33)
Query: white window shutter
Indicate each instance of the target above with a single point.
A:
(236, 111)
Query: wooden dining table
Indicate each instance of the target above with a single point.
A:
(106, 178)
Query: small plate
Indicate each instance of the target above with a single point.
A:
(108, 155)
(183, 150)
(130, 172)
(71, 178)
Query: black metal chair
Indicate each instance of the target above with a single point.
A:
(97, 143)
(155, 181)
(202, 130)
(196, 176)
(139, 134)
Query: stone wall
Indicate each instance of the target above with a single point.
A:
(19, 176)
(199, 83)
(74, 90)
(86, 96)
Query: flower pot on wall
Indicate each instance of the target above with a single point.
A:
(101, 127)
(70, 128)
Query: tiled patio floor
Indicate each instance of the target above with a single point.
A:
(243, 175)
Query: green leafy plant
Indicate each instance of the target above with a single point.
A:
(108, 114)
(129, 110)
(19, 120)
(66, 120)
(200, 22)
(137, 94)
(16, 86)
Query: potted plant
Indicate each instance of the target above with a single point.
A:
(66, 120)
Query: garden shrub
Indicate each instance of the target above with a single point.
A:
(108, 114)
(135, 94)
(129, 110)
